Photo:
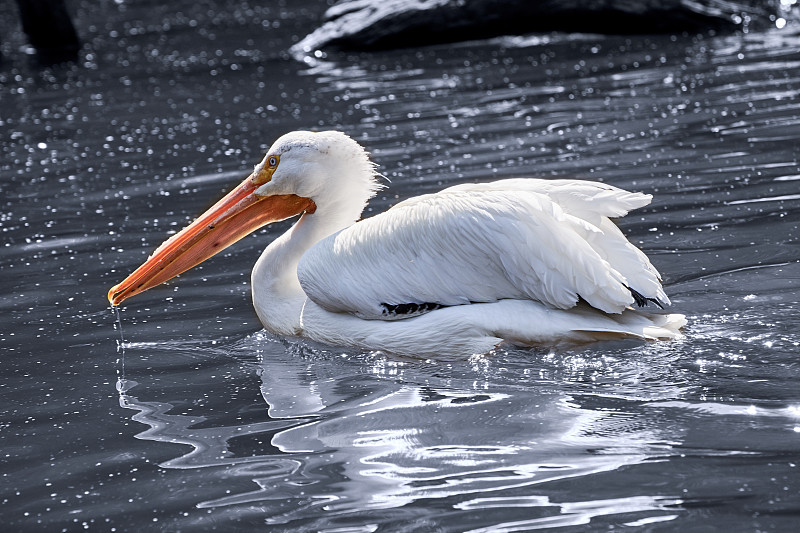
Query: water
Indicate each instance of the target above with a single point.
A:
(197, 421)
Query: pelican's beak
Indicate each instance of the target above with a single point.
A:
(238, 214)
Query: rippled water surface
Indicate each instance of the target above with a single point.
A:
(198, 421)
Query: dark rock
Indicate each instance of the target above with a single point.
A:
(370, 24)
(50, 30)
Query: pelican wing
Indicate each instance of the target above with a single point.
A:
(595, 202)
(549, 241)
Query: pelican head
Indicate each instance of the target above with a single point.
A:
(327, 167)
(301, 172)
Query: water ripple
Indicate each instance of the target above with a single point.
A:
(581, 513)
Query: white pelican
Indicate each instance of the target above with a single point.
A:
(524, 261)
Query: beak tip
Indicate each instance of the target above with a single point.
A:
(114, 296)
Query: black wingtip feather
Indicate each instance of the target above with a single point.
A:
(641, 300)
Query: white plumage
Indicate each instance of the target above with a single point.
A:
(510, 239)
(508, 260)
(527, 261)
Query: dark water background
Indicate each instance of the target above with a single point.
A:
(203, 423)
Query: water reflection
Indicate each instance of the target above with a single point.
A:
(346, 435)
(579, 513)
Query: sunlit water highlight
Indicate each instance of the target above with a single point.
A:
(194, 420)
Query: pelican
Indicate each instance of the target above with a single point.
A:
(527, 262)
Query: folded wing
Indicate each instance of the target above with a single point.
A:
(545, 240)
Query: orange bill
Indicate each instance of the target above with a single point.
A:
(238, 214)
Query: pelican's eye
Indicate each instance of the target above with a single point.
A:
(263, 174)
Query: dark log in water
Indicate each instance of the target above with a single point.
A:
(50, 30)
(370, 24)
